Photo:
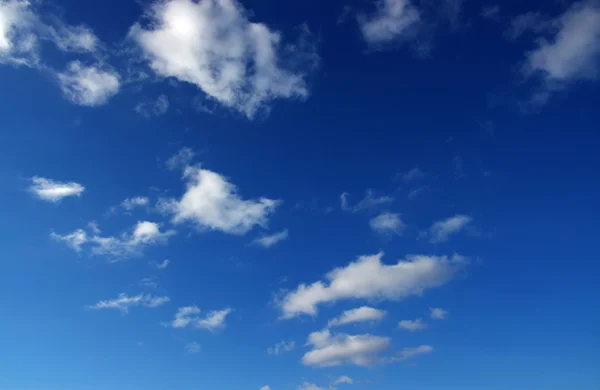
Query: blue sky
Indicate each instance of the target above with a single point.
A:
(299, 195)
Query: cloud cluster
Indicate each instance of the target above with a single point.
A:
(124, 302)
(52, 190)
(369, 278)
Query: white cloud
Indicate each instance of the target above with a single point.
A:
(281, 347)
(440, 231)
(392, 21)
(164, 264)
(88, 85)
(412, 325)
(125, 302)
(266, 387)
(54, 191)
(189, 315)
(193, 347)
(572, 53)
(310, 386)
(211, 202)
(154, 108)
(409, 353)
(181, 159)
(268, 240)
(437, 313)
(149, 282)
(361, 314)
(129, 244)
(368, 203)
(413, 174)
(369, 278)
(334, 350)
(74, 240)
(213, 45)
(343, 380)
(138, 201)
(387, 223)
(93, 226)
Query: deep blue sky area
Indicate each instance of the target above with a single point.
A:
(314, 195)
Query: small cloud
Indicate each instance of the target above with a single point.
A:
(409, 353)
(387, 224)
(361, 314)
(281, 347)
(412, 325)
(189, 315)
(267, 387)
(343, 380)
(124, 302)
(164, 264)
(442, 230)
(392, 21)
(53, 191)
(74, 240)
(94, 228)
(181, 159)
(267, 241)
(153, 109)
(437, 313)
(368, 203)
(193, 347)
(88, 85)
(414, 174)
(416, 192)
(149, 282)
(214, 320)
(138, 201)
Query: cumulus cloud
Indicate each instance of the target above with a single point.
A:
(193, 347)
(52, 190)
(387, 223)
(189, 315)
(571, 54)
(269, 240)
(369, 278)
(393, 20)
(124, 302)
(281, 347)
(361, 314)
(368, 203)
(438, 314)
(211, 202)
(88, 85)
(213, 45)
(412, 325)
(334, 350)
(154, 108)
(442, 230)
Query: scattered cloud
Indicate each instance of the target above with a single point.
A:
(193, 347)
(361, 314)
(164, 264)
(269, 240)
(440, 231)
(392, 21)
(124, 302)
(437, 313)
(189, 315)
(53, 191)
(387, 223)
(369, 278)
(343, 380)
(213, 45)
(211, 202)
(412, 325)
(281, 347)
(88, 85)
(149, 109)
(138, 201)
(409, 353)
(334, 350)
(181, 159)
(368, 203)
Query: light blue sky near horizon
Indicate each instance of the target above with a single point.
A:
(521, 313)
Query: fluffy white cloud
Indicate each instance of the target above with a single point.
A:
(281, 347)
(74, 240)
(53, 191)
(193, 347)
(334, 350)
(440, 231)
(124, 302)
(153, 108)
(211, 202)
(189, 315)
(213, 45)
(437, 313)
(88, 85)
(392, 21)
(412, 325)
(268, 240)
(369, 278)
(138, 201)
(387, 223)
(368, 203)
(343, 380)
(571, 54)
(409, 353)
(361, 314)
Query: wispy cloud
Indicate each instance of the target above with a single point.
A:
(183, 158)
(361, 314)
(149, 109)
(392, 21)
(138, 201)
(269, 240)
(409, 353)
(53, 191)
(189, 315)
(124, 302)
(414, 174)
(281, 347)
(412, 325)
(442, 230)
(164, 264)
(193, 347)
(368, 203)
(88, 85)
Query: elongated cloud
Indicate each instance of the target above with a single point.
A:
(190, 315)
(53, 191)
(369, 278)
(442, 230)
(361, 314)
(412, 325)
(124, 302)
(269, 240)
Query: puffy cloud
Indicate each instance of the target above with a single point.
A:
(409, 353)
(571, 54)
(213, 45)
(281, 347)
(334, 350)
(343, 380)
(88, 85)
(387, 223)
(440, 231)
(181, 159)
(268, 240)
(153, 108)
(124, 302)
(193, 347)
(368, 203)
(369, 278)
(392, 21)
(361, 314)
(412, 325)
(53, 191)
(74, 240)
(189, 315)
(437, 313)
(211, 202)
(138, 201)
